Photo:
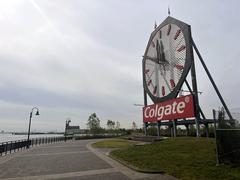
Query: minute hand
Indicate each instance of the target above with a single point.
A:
(160, 53)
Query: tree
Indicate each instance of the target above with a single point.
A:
(192, 130)
(134, 126)
(226, 124)
(221, 119)
(94, 123)
(118, 125)
(110, 124)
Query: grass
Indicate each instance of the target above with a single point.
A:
(184, 158)
(113, 143)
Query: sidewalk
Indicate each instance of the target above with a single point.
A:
(67, 160)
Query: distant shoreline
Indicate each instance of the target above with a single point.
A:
(35, 133)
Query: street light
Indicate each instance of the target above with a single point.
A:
(144, 124)
(138, 104)
(30, 119)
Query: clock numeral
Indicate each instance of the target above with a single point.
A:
(160, 34)
(177, 34)
(181, 48)
(163, 90)
(155, 90)
(179, 66)
(172, 83)
(153, 44)
(147, 71)
(149, 82)
(169, 29)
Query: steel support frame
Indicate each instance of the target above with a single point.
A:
(145, 104)
(211, 80)
(195, 91)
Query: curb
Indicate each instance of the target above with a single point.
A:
(125, 163)
(130, 167)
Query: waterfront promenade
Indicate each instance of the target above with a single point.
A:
(69, 161)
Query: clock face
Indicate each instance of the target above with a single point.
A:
(166, 61)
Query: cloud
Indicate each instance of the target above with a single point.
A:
(72, 58)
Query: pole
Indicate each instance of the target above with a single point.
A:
(215, 133)
(145, 104)
(145, 128)
(158, 128)
(187, 129)
(189, 88)
(212, 81)
(29, 127)
(65, 134)
(171, 130)
(174, 128)
(195, 91)
(207, 130)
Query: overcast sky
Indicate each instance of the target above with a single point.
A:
(71, 58)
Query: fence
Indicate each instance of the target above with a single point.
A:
(228, 144)
(13, 146)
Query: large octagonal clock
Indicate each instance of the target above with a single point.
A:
(167, 60)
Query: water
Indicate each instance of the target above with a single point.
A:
(4, 137)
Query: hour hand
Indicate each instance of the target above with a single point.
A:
(151, 58)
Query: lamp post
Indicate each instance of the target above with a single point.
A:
(66, 128)
(138, 105)
(30, 119)
(145, 124)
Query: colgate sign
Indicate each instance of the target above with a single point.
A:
(173, 109)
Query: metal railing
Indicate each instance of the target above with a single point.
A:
(228, 145)
(13, 146)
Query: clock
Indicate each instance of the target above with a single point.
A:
(167, 60)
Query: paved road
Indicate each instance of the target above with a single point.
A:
(72, 160)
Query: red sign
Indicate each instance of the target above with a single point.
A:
(178, 108)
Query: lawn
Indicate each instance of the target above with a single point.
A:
(113, 143)
(184, 158)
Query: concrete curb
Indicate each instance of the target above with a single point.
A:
(127, 164)
(157, 174)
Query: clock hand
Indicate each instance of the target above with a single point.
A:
(164, 78)
(154, 60)
(151, 58)
(162, 57)
(162, 60)
(158, 51)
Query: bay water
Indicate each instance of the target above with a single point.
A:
(5, 137)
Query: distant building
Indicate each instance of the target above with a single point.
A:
(70, 130)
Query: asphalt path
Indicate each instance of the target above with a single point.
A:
(72, 160)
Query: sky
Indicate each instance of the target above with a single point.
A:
(71, 58)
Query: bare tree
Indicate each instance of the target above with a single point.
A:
(134, 126)
(110, 124)
(118, 125)
(93, 123)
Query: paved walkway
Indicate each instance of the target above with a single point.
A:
(72, 160)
